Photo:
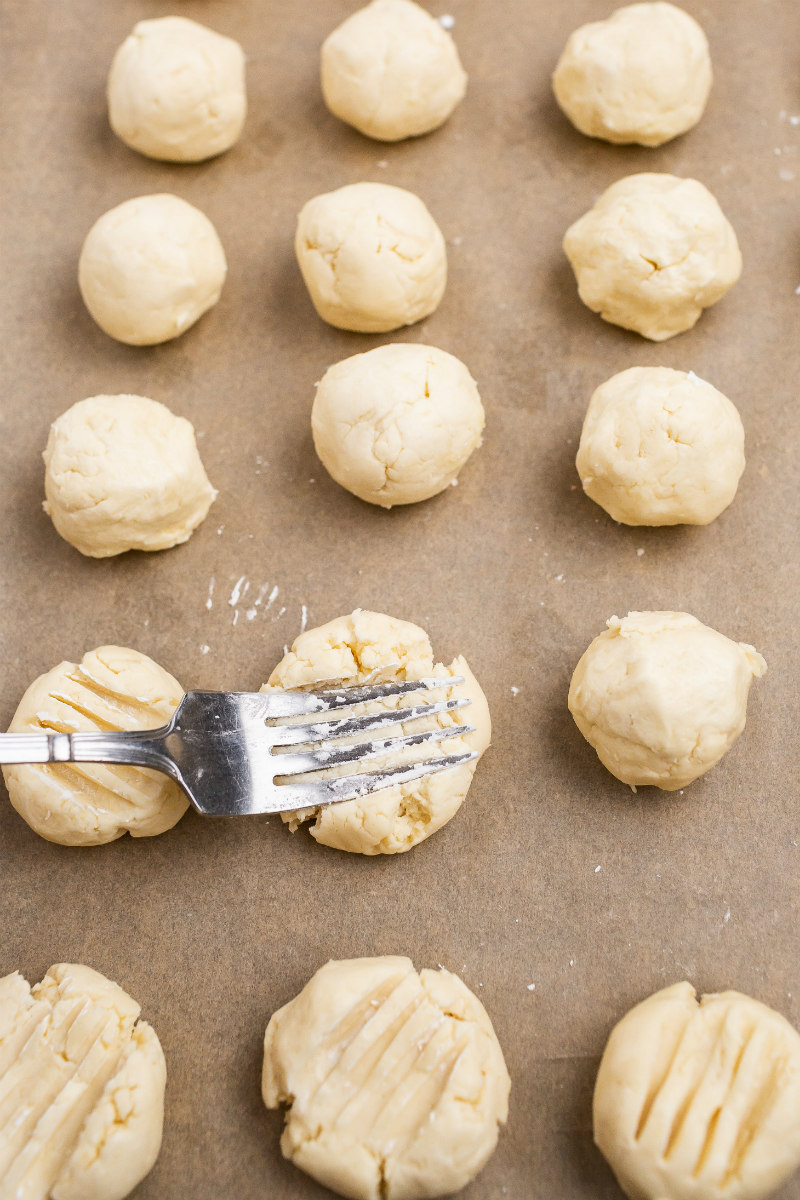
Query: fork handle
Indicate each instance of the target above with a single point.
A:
(132, 747)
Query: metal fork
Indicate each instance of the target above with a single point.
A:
(219, 748)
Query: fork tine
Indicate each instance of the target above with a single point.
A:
(297, 703)
(293, 735)
(289, 797)
(315, 760)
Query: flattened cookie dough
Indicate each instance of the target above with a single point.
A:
(397, 424)
(86, 804)
(176, 90)
(368, 646)
(392, 71)
(699, 1099)
(662, 697)
(642, 75)
(372, 257)
(661, 447)
(395, 1078)
(150, 268)
(652, 253)
(123, 473)
(81, 1088)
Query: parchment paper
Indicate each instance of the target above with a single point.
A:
(552, 873)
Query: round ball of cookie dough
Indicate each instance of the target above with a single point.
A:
(397, 424)
(372, 257)
(660, 447)
(392, 71)
(176, 90)
(150, 268)
(698, 1099)
(92, 1075)
(653, 253)
(123, 473)
(370, 647)
(85, 804)
(642, 75)
(662, 697)
(418, 1061)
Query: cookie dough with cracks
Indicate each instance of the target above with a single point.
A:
(82, 1081)
(123, 473)
(699, 1099)
(661, 447)
(662, 697)
(642, 75)
(150, 268)
(369, 646)
(176, 90)
(372, 257)
(395, 1080)
(652, 253)
(87, 804)
(392, 71)
(397, 424)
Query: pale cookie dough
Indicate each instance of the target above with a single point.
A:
(176, 90)
(397, 424)
(392, 71)
(368, 646)
(81, 1088)
(150, 268)
(662, 697)
(642, 75)
(653, 253)
(123, 473)
(395, 1080)
(372, 257)
(700, 1099)
(83, 804)
(661, 447)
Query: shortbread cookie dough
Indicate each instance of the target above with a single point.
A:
(395, 1080)
(662, 697)
(87, 804)
(653, 253)
(699, 1099)
(81, 1088)
(661, 447)
(392, 71)
(368, 646)
(150, 268)
(123, 473)
(372, 257)
(642, 75)
(176, 90)
(397, 424)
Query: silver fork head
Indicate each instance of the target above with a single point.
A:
(228, 750)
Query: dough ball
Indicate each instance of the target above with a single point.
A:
(642, 75)
(653, 253)
(700, 1099)
(176, 90)
(82, 804)
(372, 257)
(662, 697)
(395, 1080)
(82, 1081)
(660, 447)
(123, 473)
(397, 424)
(150, 268)
(392, 71)
(371, 647)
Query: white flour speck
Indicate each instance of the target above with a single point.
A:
(727, 917)
(219, 531)
(273, 596)
(785, 175)
(210, 600)
(303, 618)
(572, 962)
(639, 552)
(446, 21)
(204, 649)
(559, 578)
(236, 616)
(695, 379)
(251, 614)
(383, 164)
(238, 590)
(597, 869)
(281, 612)
(531, 987)
(515, 691)
(794, 120)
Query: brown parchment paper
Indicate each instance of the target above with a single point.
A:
(552, 873)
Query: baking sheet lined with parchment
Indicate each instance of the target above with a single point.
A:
(552, 874)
